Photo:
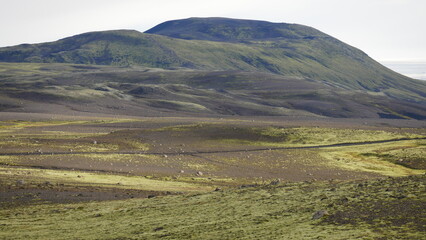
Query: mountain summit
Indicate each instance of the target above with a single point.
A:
(240, 55)
(226, 44)
(232, 30)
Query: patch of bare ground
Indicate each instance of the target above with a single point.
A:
(397, 203)
(29, 194)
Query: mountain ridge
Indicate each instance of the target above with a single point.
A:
(291, 51)
(310, 58)
(227, 29)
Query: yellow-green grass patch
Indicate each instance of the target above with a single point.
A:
(266, 212)
(359, 158)
(19, 124)
(325, 136)
(99, 180)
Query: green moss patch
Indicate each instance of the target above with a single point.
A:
(283, 211)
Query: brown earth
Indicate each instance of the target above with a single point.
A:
(173, 153)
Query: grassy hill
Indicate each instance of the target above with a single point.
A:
(129, 135)
(253, 67)
(63, 88)
(233, 30)
(226, 44)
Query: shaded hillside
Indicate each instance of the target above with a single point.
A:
(305, 51)
(65, 88)
(233, 30)
(228, 44)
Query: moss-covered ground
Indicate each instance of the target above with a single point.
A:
(390, 208)
(199, 180)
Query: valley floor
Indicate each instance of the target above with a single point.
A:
(210, 178)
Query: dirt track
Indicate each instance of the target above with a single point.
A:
(212, 152)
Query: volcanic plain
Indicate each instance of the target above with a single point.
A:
(209, 128)
(82, 166)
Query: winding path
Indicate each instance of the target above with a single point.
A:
(212, 151)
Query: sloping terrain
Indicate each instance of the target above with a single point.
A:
(210, 178)
(208, 129)
(216, 44)
(62, 88)
(391, 208)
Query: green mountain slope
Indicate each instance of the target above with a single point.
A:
(139, 91)
(232, 55)
(232, 30)
(293, 49)
(228, 44)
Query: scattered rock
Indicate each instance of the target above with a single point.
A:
(320, 214)
(199, 173)
(151, 196)
(158, 229)
(399, 196)
(218, 189)
(165, 155)
(98, 215)
(181, 171)
(95, 142)
(248, 186)
(20, 182)
(275, 182)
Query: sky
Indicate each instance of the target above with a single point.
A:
(387, 30)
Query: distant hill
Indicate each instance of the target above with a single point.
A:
(233, 30)
(264, 49)
(138, 91)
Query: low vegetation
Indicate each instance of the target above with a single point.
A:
(151, 91)
(246, 130)
(217, 179)
(13, 175)
(377, 209)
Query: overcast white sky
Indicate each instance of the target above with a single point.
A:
(384, 29)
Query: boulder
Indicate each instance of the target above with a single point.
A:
(320, 214)
(20, 182)
(275, 182)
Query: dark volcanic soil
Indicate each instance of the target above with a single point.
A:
(59, 193)
(171, 152)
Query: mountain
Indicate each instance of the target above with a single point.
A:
(233, 30)
(238, 54)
